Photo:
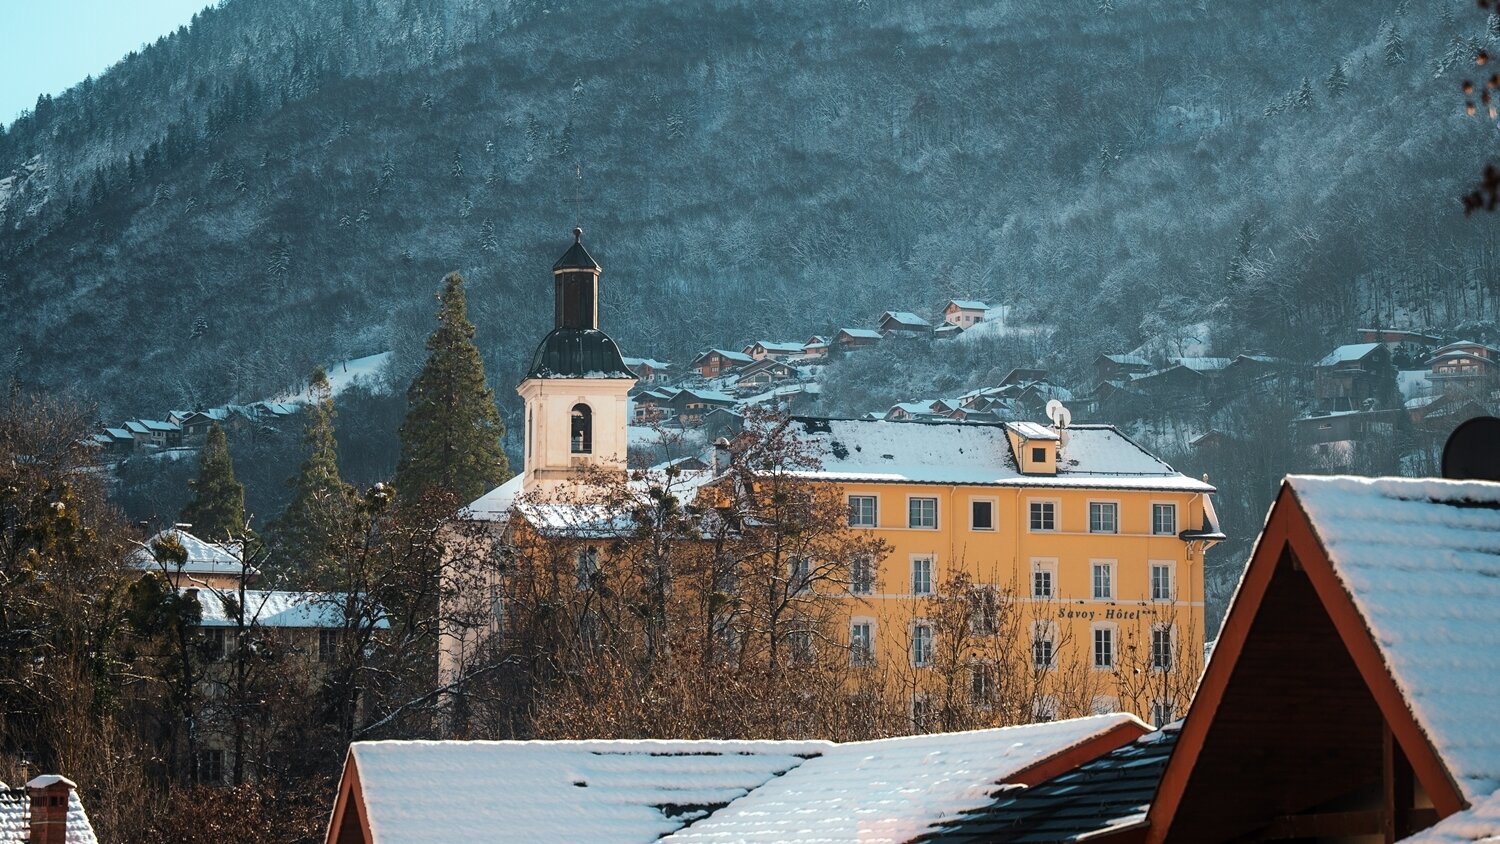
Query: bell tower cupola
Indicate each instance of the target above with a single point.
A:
(577, 387)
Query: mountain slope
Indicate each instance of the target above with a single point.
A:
(286, 181)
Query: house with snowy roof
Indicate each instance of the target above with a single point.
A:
(187, 561)
(716, 362)
(46, 811)
(816, 347)
(642, 791)
(1353, 377)
(778, 350)
(1119, 367)
(1466, 367)
(965, 312)
(856, 338)
(690, 404)
(649, 370)
(903, 324)
(155, 433)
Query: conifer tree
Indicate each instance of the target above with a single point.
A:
(1337, 82)
(217, 511)
(1303, 100)
(308, 531)
(450, 439)
(1395, 48)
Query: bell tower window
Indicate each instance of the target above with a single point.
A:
(582, 438)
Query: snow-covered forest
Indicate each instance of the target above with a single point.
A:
(277, 186)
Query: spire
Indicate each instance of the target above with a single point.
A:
(576, 258)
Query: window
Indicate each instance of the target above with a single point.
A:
(214, 644)
(922, 513)
(862, 512)
(582, 437)
(1161, 581)
(982, 515)
(1164, 519)
(862, 575)
(328, 645)
(1041, 649)
(1044, 515)
(800, 645)
(1104, 648)
(588, 567)
(1104, 517)
(862, 643)
(800, 576)
(1161, 648)
(1163, 712)
(921, 645)
(210, 767)
(1039, 455)
(921, 575)
(981, 684)
(1042, 579)
(1104, 581)
(921, 711)
(1104, 704)
(984, 611)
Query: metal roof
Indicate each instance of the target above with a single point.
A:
(578, 353)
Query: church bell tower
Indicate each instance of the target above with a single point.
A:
(576, 388)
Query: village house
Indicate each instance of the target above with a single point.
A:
(653, 405)
(1394, 338)
(1352, 375)
(1119, 367)
(762, 349)
(689, 405)
(1345, 426)
(946, 331)
(155, 433)
(1466, 367)
(903, 323)
(856, 338)
(716, 362)
(210, 565)
(816, 347)
(757, 377)
(965, 312)
(649, 370)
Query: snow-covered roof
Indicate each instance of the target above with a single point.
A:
(119, 433)
(639, 791)
(1478, 823)
(604, 792)
(706, 395)
(1421, 561)
(864, 333)
(1032, 431)
(647, 362)
(1127, 360)
(1348, 353)
(203, 558)
(778, 346)
(275, 608)
(969, 304)
(726, 354)
(15, 814)
(495, 504)
(877, 451)
(1201, 364)
(903, 318)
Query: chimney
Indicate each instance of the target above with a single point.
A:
(721, 455)
(49, 809)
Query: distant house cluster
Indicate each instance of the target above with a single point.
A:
(1023, 393)
(187, 429)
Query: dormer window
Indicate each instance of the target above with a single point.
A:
(582, 438)
(1038, 455)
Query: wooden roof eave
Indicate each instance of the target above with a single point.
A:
(1288, 527)
(350, 795)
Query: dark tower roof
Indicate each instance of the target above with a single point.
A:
(576, 258)
(578, 353)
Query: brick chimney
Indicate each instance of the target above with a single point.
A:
(49, 809)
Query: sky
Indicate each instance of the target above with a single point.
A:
(50, 45)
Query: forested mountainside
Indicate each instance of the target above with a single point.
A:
(285, 181)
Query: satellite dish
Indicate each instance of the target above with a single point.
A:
(1473, 451)
(1061, 417)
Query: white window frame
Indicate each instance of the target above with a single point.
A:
(1170, 664)
(874, 511)
(994, 513)
(1154, 528)
(981, 684)
(799, 575)
(914, 498)
(923, 585)
(921, 644)
(1111, 637)
(1094, 566)
(862, 655)
(862, 564)
(1044, 631)
(1105, 503)
(1056, 515)
(1047, 565)
(1169, 568)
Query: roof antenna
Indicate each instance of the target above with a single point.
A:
(1472, 452)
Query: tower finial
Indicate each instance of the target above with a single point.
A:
(577, 234)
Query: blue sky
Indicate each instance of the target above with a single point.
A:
(52, 44)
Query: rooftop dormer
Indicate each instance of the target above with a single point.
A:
(1034, 446)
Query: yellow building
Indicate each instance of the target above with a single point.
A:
(1081, 553)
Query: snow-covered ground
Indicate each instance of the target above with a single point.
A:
(368, 370)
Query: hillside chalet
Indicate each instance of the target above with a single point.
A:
(903, 323)
(965, 312)
(716, 362)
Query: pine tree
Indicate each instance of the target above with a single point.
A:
(1395, 48)
(1337, 82)
(306, 534)
(217, 511)
(1304, 97)
(450, 439)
